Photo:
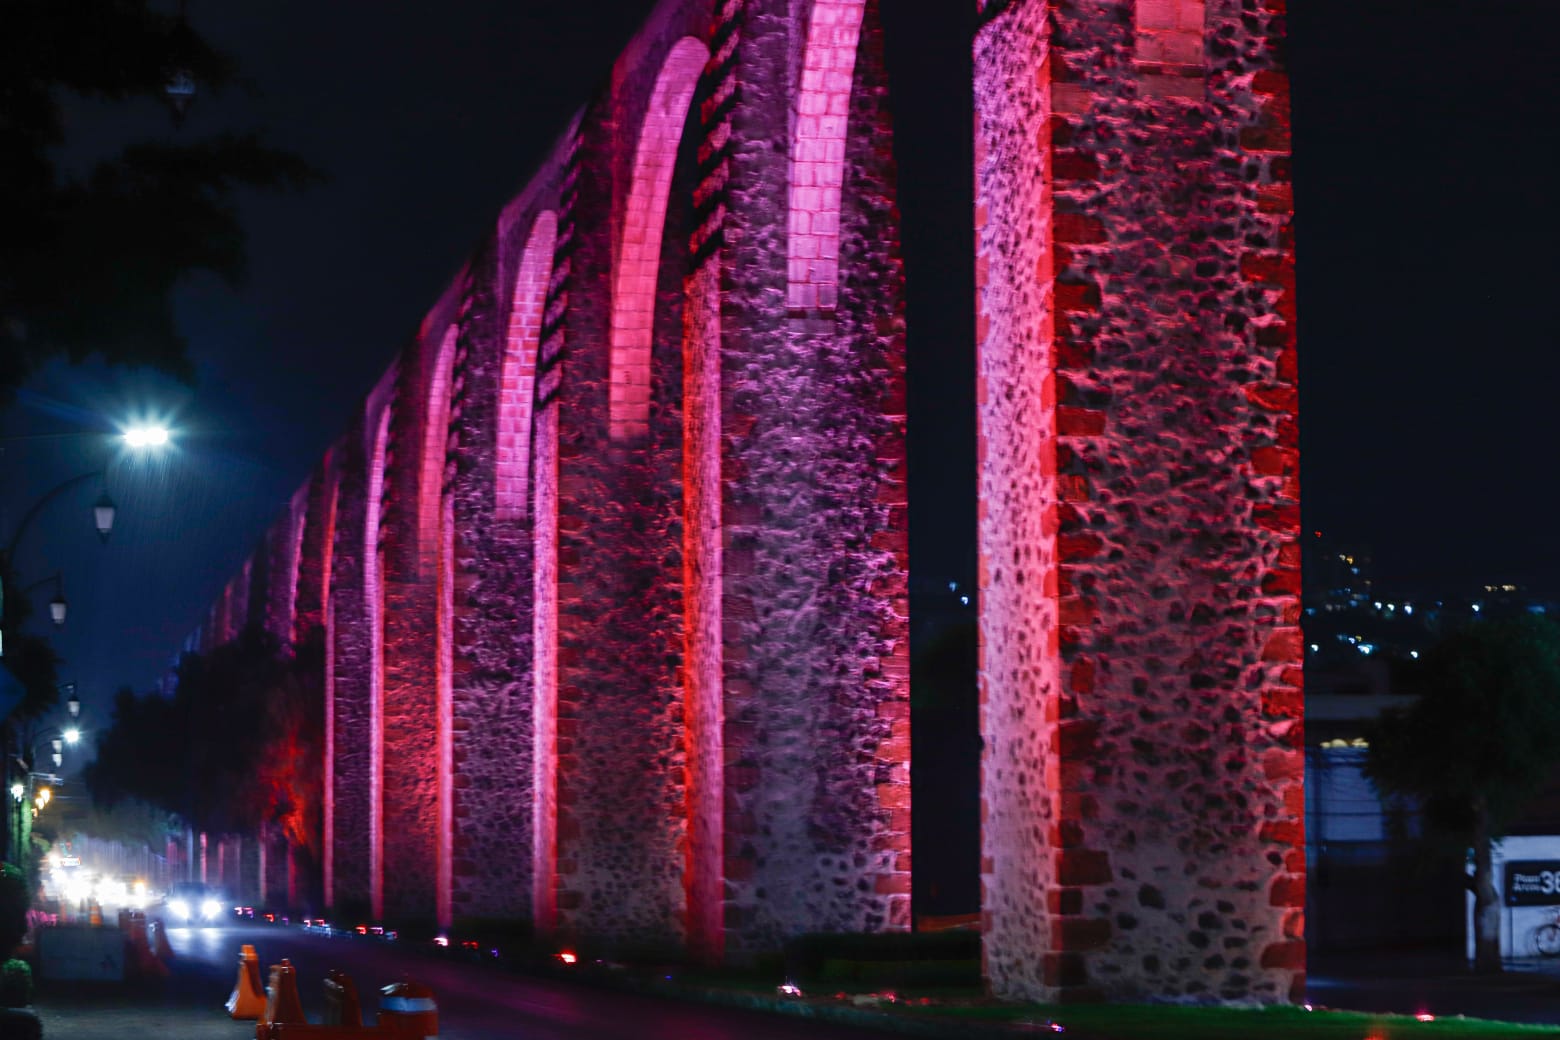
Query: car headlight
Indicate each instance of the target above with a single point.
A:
(179, 908)
(210, 909)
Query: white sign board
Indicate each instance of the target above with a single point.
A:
(1527, 887)
(88, 954)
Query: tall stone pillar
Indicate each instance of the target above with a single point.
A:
(1139, 559)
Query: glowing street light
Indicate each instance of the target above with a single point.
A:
(153, 436)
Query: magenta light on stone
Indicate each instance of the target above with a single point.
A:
(609, 570)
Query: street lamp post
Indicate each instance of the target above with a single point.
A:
(137, 439)
(103, 513)
(24, 758)
(24, 791)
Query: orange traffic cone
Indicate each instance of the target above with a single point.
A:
(248, 999)
(282, 1006)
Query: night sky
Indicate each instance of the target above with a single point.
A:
(1424, 136)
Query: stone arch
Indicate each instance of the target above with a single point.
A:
(818, 154)
(291, 567)
(638, 254)
(435, 449)
(516, 394)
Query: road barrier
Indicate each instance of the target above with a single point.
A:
(248, 1000)
(281, 1004)
(407, 1011)
(140, 958)
(341, 1000)
(159, 934)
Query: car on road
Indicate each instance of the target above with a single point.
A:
(192, 903)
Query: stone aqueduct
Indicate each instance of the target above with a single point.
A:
(611, 566)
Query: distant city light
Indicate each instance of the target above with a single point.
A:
(964, 600)
(1414, 654)
(1477, 607)
(146, 436)
(1367, 648)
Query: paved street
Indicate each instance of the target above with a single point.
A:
(476, 1001)
(483, 1002)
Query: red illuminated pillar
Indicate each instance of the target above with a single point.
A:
(1141, 782)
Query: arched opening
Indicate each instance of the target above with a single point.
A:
(818, 154)
(638, 255)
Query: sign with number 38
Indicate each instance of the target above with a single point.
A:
(1532, 882)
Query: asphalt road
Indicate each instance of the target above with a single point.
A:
(476, 1001)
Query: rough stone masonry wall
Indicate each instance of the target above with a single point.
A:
(491, 593)
(1142, 781)
(349, 688)
(577, 693)
(621, 827)
(816, 662)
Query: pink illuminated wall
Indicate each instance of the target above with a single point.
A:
(702, 699)
(640, 521)
(521, 433)
(1141, 688)
(544, 664)
(328, 845)
(633, 289)
(434, 500)
(374, 594)
(818, 154)
(287, 629)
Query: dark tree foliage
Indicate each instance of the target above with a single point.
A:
(30, 659)
(238, 746)
(1476, 745)
(87, 264)
(14, 901)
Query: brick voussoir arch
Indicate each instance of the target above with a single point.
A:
(517, 380)
(638, 256)
(817, 169)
